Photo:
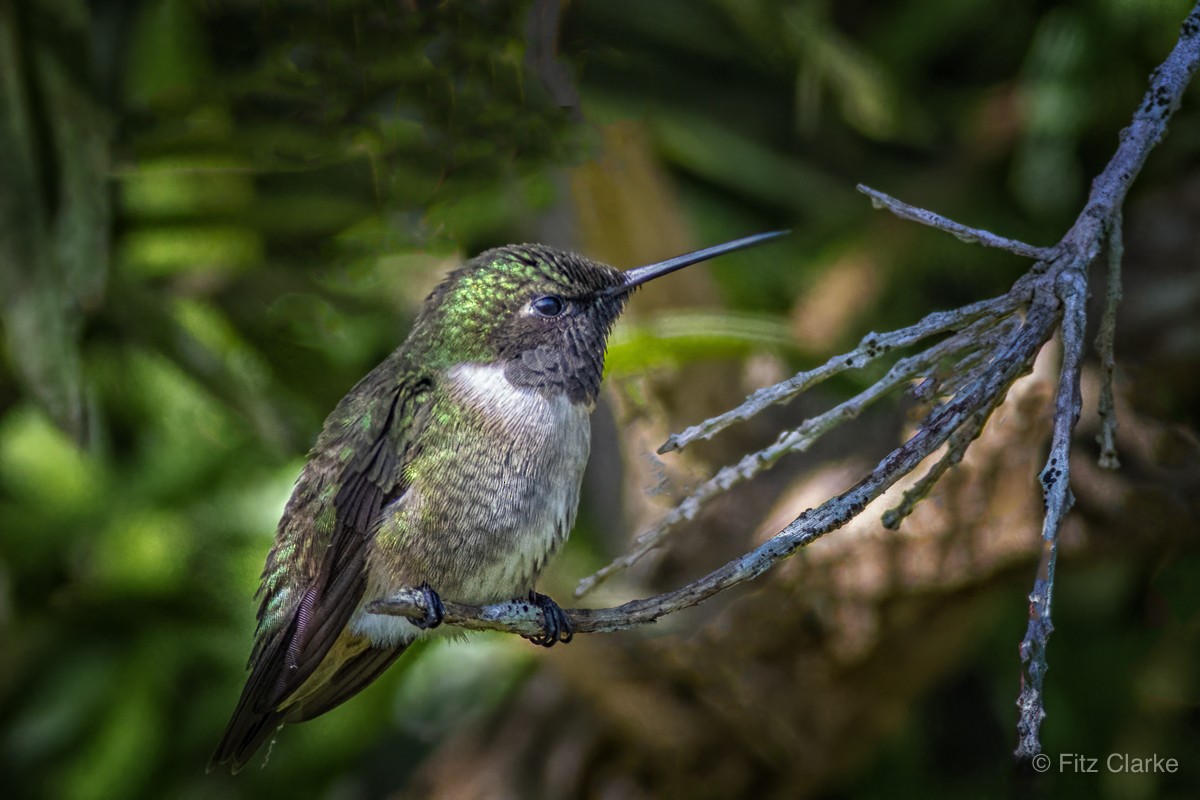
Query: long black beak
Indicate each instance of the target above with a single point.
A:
(638, 275)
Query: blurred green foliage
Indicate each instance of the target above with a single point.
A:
(215, 217)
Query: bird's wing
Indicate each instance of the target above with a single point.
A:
(315, 575)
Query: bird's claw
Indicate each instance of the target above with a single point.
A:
(434, 610)
(555, 625)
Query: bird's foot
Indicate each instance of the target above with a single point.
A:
(434, 611)
(556, 627)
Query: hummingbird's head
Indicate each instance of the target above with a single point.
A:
(543, 314)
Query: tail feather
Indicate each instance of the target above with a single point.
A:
(251, 727)
(246, 733)
(351, 678)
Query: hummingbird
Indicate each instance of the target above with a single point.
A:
(453, 467)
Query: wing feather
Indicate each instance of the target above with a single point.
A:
(351, 678)
(315, 576)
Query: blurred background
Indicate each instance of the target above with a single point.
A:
(215, 216)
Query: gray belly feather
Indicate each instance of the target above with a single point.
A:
(494, 494)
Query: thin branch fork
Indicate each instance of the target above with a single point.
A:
(1051, 296)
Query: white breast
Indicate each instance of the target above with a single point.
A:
(554, 436)
(528, 451)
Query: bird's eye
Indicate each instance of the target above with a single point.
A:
(548, 306)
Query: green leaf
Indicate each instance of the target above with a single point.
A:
(672, 339)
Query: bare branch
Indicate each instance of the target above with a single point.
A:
(1100, 218)
(972, 338)
(1056, 490)
(1167, 84)
(1033, 653)
(956, 448)
(872, 347)
(956, 229)
(1107, 437)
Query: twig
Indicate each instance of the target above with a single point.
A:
(1033, 653)
(1056, 491)
(799, 440)
(1149, 126)
(1107, 437)
(872, 347)
(956, 448)
(956, 229)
